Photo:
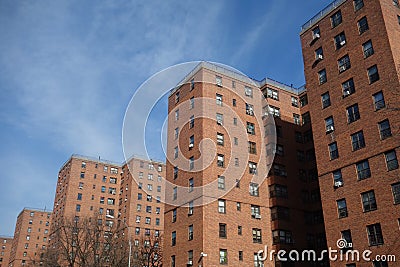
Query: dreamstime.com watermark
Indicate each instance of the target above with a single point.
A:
(344, 253)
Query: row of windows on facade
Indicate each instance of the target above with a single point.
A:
(29, 230)
(40, 222)
(368, 201)
(150, 176)
(147, 231)
(363, 169)
(112, 180)
(374, 235)
(113, 170)
(357, 138)
(274, 94)
(28, 237)
(147, 220)
(32, 214)
(248, 91)
(149, 198)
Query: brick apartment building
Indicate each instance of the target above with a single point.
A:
(31, 237)
(6, 243)
(141, 200)
(90, 188)
(232, 217)
(351, 54)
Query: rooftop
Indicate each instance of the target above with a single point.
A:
(321, 15)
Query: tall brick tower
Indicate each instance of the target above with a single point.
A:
(351, 52)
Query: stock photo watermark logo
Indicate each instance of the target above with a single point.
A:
(144, 123)
(343, 253)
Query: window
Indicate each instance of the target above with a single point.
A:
(348, 87)
(221, 206)
(362, 25)
(280, 170)
(369, 201)
(336, 19)
(191, 184)
(191, 84)
(240, 230)
(174, 212)
(340, 40)
(234, 121)
(306, 117)
(110, 201)
(333, 151)
(357, 140)
(279, 213)
(220, 160)
(277, 190)
(384, 129)
(398, 19)
(396, 193)
(233, 84)
(358, 4)
(396, 3)
(103, 189)
(82, 175)
(150, 177)
(175, 193)
(252, 146)
(251, 128)
(177, 97)
(223, 256)
(296, 119)
(240, 255)
(79, 196)
(191, 122)
(253, 189)
(352, 113)
(78, 207)
(272, 93)
(373, 74)
(220, 119)
(191, 102)
(248, 91)
(220, 139)
(218, 81)
(101, 200)
(379, 101)
(257, 235)
(375, 236)
(234, 102)
(368, 49)
(221, 182)
(363, 170)
(295, 101)
(138, 207)
(337, 178)
(322, 76)
(177, 114)
(252, 167)
(190, 209)
(173, 261)
(380, 264)
(319, 54)
(218, 99)
(222, 230)
(346, 235)
(344, 63)
(274, 111)
(303, 100)
(175, 172)
(329, 124)
(249, 109)
(255, 212)
(148, 220)
(342, 208)
(326, 100)
(191, 163)
(81, 185)
(140, 175)
(190, 232)
(316, 33)
(282, 237)
(391, 160)
(173, 238)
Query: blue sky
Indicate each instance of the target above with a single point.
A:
(69, 68)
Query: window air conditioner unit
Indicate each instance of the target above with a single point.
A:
(257, 216)
(190, 212)
(138, 221)
(190, 145)
(338, 184)
(110, 216)
(219, 122)
(346, 92)
(342, 68)
(190, 263)
(329, 128)
(316, 36)
(342, 42)
(320, 57)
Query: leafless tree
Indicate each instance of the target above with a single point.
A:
(148, 251)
